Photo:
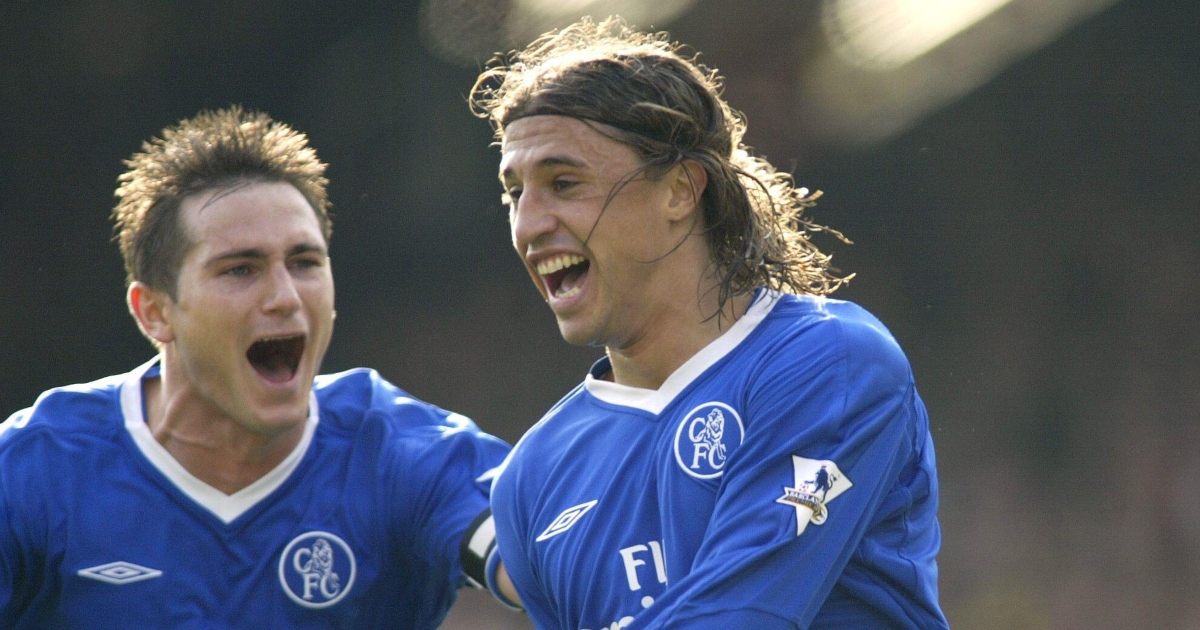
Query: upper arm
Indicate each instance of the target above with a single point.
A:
(460, 489)
(439, 485)
(8, 555)
(824, 441)
(511, 505)
(17, 581)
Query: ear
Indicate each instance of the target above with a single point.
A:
(688, 180)
(151, 309)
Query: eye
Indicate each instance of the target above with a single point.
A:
(561, 185)
(238, 271)
(510, 196)
(306, 263)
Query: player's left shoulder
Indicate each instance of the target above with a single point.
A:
(360, 397)
(363, 405)
(822, 331)
(860, 335)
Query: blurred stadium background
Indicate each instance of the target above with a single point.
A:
(1020, 179)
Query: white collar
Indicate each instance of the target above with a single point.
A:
(226, 507)
(655, 400)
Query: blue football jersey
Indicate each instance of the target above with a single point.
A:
(359, 527)
(783, 477)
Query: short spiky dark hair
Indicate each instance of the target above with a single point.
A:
(668, 107)
(213, 150)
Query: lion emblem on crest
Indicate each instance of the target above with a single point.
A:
(706, 438)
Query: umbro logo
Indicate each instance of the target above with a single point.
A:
(119, 573)
(569, 517)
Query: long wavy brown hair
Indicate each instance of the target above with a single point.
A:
(650, 94)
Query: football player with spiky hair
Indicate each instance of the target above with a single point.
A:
(224, 484)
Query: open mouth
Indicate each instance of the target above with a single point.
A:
(563, 274)
(276, 359)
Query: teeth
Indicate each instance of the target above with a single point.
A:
(550, 265)
(572, 292)
(280, 338)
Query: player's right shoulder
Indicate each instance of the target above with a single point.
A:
(545, 443)
(66, 413)
(559, 420)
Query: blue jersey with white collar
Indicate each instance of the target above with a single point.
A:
(358, 528)
(783, 477)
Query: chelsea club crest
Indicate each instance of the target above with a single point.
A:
(317, 569)
(705, 439)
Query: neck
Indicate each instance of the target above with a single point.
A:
(209, 444)
(675, 337)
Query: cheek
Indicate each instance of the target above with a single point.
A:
(320, 302)
(206, 322)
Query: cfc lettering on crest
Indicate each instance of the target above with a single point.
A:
(317, 569)
(706, 438)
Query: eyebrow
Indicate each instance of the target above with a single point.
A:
(258, 254)
(546, 162)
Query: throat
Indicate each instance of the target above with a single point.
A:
(662, 348)
(227, 469)
(219, 452)
(219, 449)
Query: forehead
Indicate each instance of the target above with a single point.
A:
(546, 141)
(256, 215)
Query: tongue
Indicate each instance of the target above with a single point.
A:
(275, 369)
(571, 279)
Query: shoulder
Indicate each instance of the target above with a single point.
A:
(823, 350)
(546, 442)
(62, 436)
(555, 432)
(825, 329)
(65, 413)
(363, 405)
(361, 396)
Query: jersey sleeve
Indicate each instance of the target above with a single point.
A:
(10, 555)
(830, 420)
(511, 511)
(18, 580)
(442, 480)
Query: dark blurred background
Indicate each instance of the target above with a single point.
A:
(1021, 186)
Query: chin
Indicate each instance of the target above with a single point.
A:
(578, 335)
(283, 415)
(281, 423)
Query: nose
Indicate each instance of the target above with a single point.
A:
(282, 296)
(531, 219)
